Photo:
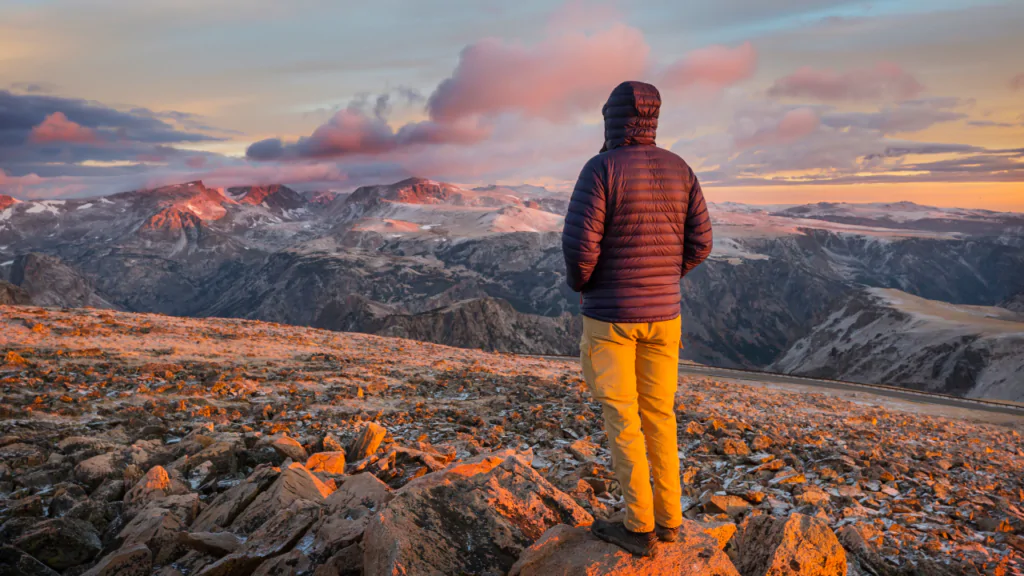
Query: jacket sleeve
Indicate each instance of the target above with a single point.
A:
(697, 240)
(584, 226)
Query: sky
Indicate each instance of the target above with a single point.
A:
(774, 101)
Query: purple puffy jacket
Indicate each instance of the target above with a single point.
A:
(637, 221)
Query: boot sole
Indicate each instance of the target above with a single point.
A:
(625, 545)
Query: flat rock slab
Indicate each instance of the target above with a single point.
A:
(568, 551)
(475, 517)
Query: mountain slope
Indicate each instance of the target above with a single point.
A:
(1015, 303)
(49, 282)
(408, 249)
(886, 336)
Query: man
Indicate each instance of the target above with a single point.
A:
(637, 223)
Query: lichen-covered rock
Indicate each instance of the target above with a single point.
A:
(799, 545)
(61, 543)
(129, 561)
(275, 537)
(14, 562)
(474, 517)
(156, 528)
(153, 486)
(290, 564)
(93, 471)
(215, 544)
(295, 483)
(569, 551)
(288, 447)
(226, 507)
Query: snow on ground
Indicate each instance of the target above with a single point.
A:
(988, 320)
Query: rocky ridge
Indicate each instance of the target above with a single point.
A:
(169, 446)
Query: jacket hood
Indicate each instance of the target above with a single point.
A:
(631, 115)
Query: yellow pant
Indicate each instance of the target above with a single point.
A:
(633, 371)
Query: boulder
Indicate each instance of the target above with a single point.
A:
(156, 528)
(733, 447)
(153, 486)
(863, 541)
(226, 507)
(275, 537)
(61, 543)
(290, 564)
(367, 442)
(222, 455)
(360, 490)
(215, 544)
(474, 517)
(14, 562)
(569, 551)
(722, 532)
(348, 511)
(331, 444)
(295, 483)
(347, 562)
(725, 504)
(327, 462)
(129, 561)
(288, 447)
(799, 545)
(93, 471)
(28, 507)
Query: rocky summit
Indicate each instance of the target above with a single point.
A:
(142, 445)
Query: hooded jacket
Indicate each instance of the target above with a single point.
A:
(637, 221)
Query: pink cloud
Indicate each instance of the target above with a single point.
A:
(564, 74)
(885, 80)
(714, 66)
(57, 128)
(794, 125)
(351, 132)
(195, 161)
(1017, 82)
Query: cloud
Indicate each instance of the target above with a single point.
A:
(885, 80)
(57, 128)
(33, 87)
(562, 75)
(794, 125)
(1017, 82)
(714, 66)
(20, 113)
(772, 145)
(351, 132)
(905, 117)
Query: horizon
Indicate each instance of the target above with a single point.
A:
(789, 102)
(224, 189)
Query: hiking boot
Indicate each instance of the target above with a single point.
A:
(637, 543)
(666, 534)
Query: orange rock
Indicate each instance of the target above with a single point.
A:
(155, 484)
(796, 546)
(327, 462)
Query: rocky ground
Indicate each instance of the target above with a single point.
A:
(145, 444)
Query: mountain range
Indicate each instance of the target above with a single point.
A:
(482, 268)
